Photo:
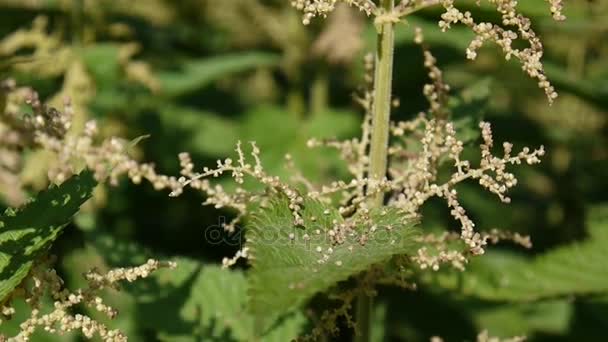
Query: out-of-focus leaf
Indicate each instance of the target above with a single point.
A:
(28, 232)
(215, 306)
(275, 131)
(196, 74)
(202, 132)
(596, 92)
(102, 62)
(288, 269)
(458, 37)
(517, 319)
(291, 135)
(469, 107)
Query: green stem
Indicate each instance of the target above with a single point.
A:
(319, 93)
(381, 112)
(295, 102)
(77, 12)
(363, 314)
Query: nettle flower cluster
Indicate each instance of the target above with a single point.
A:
(484, 336)
(515, 26)
(43, 281)
(19, 132)
(418, 149)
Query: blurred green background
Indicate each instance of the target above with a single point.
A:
(197, 75)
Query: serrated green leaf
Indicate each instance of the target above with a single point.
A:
(29, 231)
(287, 269)
(576, 269)
(198, 73)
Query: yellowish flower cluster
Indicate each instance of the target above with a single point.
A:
(437, 91)
(414, 179)
(18, 132)
(530, 56)
(44, 279)
(484, 336)
(486, 31)
(438, 249)
(321, 8)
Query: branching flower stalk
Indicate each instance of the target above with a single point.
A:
(44, 281)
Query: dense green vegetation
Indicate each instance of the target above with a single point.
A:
(199, 76)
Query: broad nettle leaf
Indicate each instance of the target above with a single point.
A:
(291, 264)
(28, 232)
(576, 269)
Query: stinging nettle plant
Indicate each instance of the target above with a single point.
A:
(341, 239)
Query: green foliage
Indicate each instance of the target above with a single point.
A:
(191, 48)
(207, 133)
(291, 137)
(576, 269)
(504, 320)
(196, 301)
(213, 135)
(286, 270)
(28, 232)
(469, 108)
(195, 74)
(23, 312)
(215, 308)
(102, 60)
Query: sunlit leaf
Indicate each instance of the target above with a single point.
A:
(576, 269)
(28, 232)
(287, 269)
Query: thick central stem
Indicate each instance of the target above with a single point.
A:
(381, 113)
